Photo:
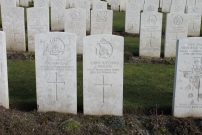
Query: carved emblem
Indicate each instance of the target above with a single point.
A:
(103, 49)
(178, 20)
(133, 7)
(101, 16)
(150, 8)
(177, 9)
(194, 10)
(75, 16)
(41, 3)
(152, 19)
(55, 47)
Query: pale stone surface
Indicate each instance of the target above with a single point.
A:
(160, 3)
(150, 8)
(123, 5)
(4, 100)
(24, 3)
(37, 22)
(8, 3)
(132, 21)
(140, 2)
(67, 3)
(115, 5)
(176, 27)
(152, 2)
(187, 93)
(86, 6)
(166, 6)
(99, 5)
(177, 9)
(150, 34)
(194, 25)
(14, 26)
(57, 15)
(56, 71)
(41, 3)
(103, 75)
(75, 22)
(194, 10)
(179, 2)
(17, 3)
(101, 21)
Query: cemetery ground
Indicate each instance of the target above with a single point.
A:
(148, 91)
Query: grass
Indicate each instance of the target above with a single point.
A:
(144, 86)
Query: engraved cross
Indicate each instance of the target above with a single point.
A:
(58, 17)
(103, 85)
(56, 85)
(193, 22)
(150, 38)
(14, 33)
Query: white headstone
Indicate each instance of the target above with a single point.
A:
(103, 75)
(132, 21)
(24, 3)
(41, 3)
(150, 34)
(4, 100)
(99, 5)
(86, 6)
(14, 26)
(187, 93)
(176, 27)
(56, 81)
(67, 3)
(140, 2)
(150, 8)
(177, 9)
(194, 21)
(57, 15)
(8, 3)
(75, 22)
(17, 3)
(166, 6)
(101, 21)
(115, 5)
(37, 22)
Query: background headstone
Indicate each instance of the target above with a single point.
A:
(4, 100)
(8, 3)
(24, 3)
(99, 5)
(132, 21)
(101, 21)
(166, 6)
(56, 77)
(14, 26)
(177, 9)
(115, 5)
(176, 27)
(150, 34)
(75, 22)
(150, 8)
(37, 22)
(103, 75)
(57, 14)
(187, 93)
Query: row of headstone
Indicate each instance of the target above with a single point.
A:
(56, 73)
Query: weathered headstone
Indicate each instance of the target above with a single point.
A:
(14, 26)
(8, 3)
(176, 27)
(140, 2)
(41, 3)
(86, 6)
(194, 21)
(103, 75)
(115, 5)
(57, 14)
(132, 21)
(177, 9)
(99, 5)
(187, 93)
(4, 100)
(123, 5)
(75, 22)
(150, 34)
(56, 80)
(37, 22)
(150, 8)
(166, 6)
(101, 21)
